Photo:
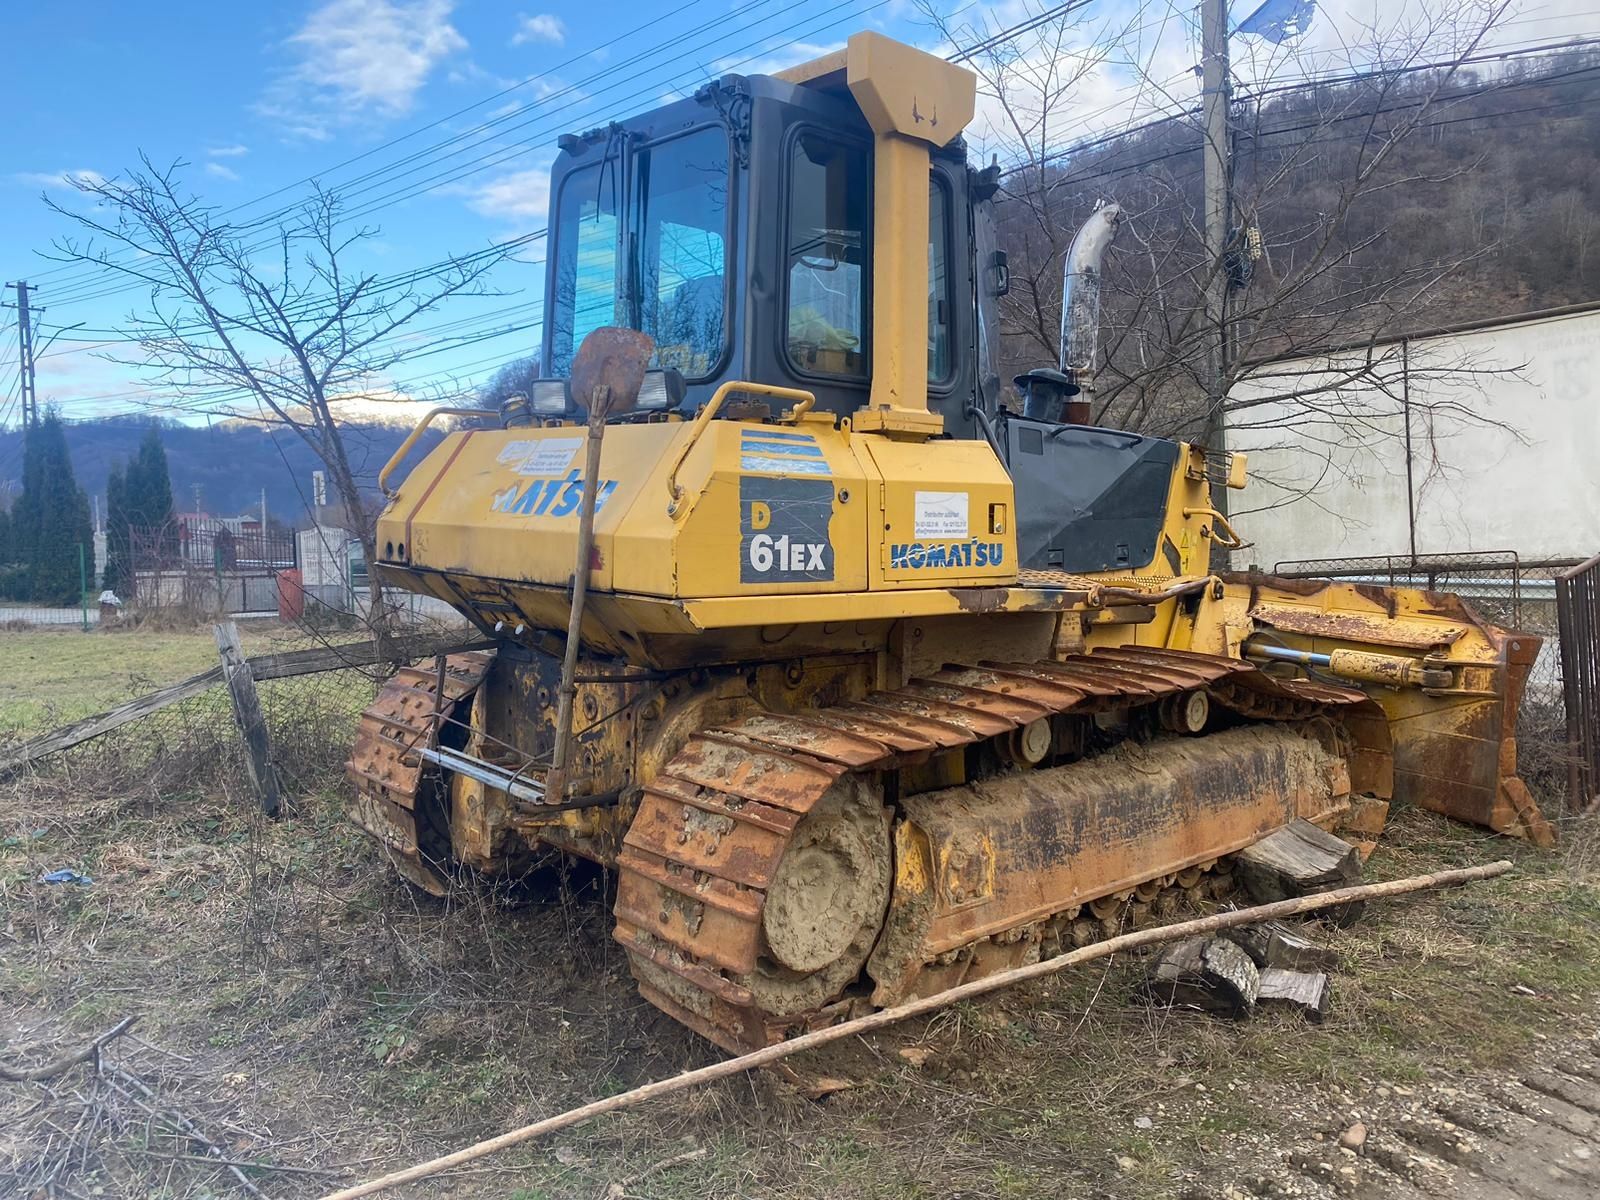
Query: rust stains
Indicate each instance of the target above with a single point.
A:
(717, 821)
(1355, 627)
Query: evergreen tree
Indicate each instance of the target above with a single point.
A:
(7, 566)
(50, 524)
(118, 567)
(148, 495)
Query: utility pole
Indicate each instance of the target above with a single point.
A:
(1214, 93)
(30, 395)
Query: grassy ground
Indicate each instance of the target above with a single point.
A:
(327, 1016)
(51, 676)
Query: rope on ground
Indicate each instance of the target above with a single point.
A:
(914, 1008)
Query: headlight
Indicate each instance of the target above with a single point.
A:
(662, 390)
(548, 397)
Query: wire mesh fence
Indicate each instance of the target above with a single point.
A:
(195, 743)
(76, 616)
(1506, 591)
(185, 736)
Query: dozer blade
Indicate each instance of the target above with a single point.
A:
(1455, 747)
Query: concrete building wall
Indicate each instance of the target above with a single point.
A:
(1503, 454)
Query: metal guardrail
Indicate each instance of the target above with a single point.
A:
(1578, 613)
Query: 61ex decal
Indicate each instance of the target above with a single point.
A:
(783, 530)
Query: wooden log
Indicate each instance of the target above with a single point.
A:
(363, 654)
(1211, 974)
(1274, 944)
(1306, 991)
(247, 715)
(1298, 860)
(1155, 935)
(67, 736)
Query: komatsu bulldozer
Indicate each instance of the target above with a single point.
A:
(864, 677)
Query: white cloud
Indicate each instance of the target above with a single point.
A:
(360, 58)
(780, 57)
(545, 27)
(219, 171)
(62, 181)
(234, 151)
(521, 197)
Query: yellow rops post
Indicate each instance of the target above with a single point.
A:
(878, 680)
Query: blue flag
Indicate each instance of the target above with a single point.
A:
(1278, 20)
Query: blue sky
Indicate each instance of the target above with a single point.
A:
(258, 97)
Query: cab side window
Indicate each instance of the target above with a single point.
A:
(826, 256)
(939, 305)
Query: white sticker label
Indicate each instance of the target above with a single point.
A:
(941, 515)
(550, 456)
(513, 452)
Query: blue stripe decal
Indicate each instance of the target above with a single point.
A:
(795, 448)
(782, 466)
(778, 435)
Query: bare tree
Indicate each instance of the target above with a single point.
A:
(277, 317)
(512, 378)
(1333, 187)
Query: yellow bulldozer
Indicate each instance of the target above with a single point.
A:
(863, 678)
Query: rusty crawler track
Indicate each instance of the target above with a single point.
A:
(712, 827)
(388, 774)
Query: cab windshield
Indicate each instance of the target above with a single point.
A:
(650, 252)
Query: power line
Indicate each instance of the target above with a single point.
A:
(1013, 31)
(1082, 147)
(577, 97)
(392, 142)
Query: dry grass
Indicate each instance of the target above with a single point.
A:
(53, 676)
(327, 1016)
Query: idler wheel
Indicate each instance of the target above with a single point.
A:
(827, 899)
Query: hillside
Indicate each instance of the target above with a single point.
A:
(1383, 205)
(230, 463)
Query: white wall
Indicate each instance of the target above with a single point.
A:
(1505, 447)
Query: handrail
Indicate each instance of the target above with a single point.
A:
(1588, 564)
(1220, 527)
(411, 440)
(804, 402)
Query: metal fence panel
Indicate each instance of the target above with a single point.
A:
(1578, 606)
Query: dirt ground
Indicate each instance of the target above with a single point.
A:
(314, 1021)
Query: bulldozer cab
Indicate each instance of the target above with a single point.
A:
(737, 229)
(744, 230)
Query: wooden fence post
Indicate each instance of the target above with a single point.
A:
(247, 713)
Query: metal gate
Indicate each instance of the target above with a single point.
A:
(1578, 611)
